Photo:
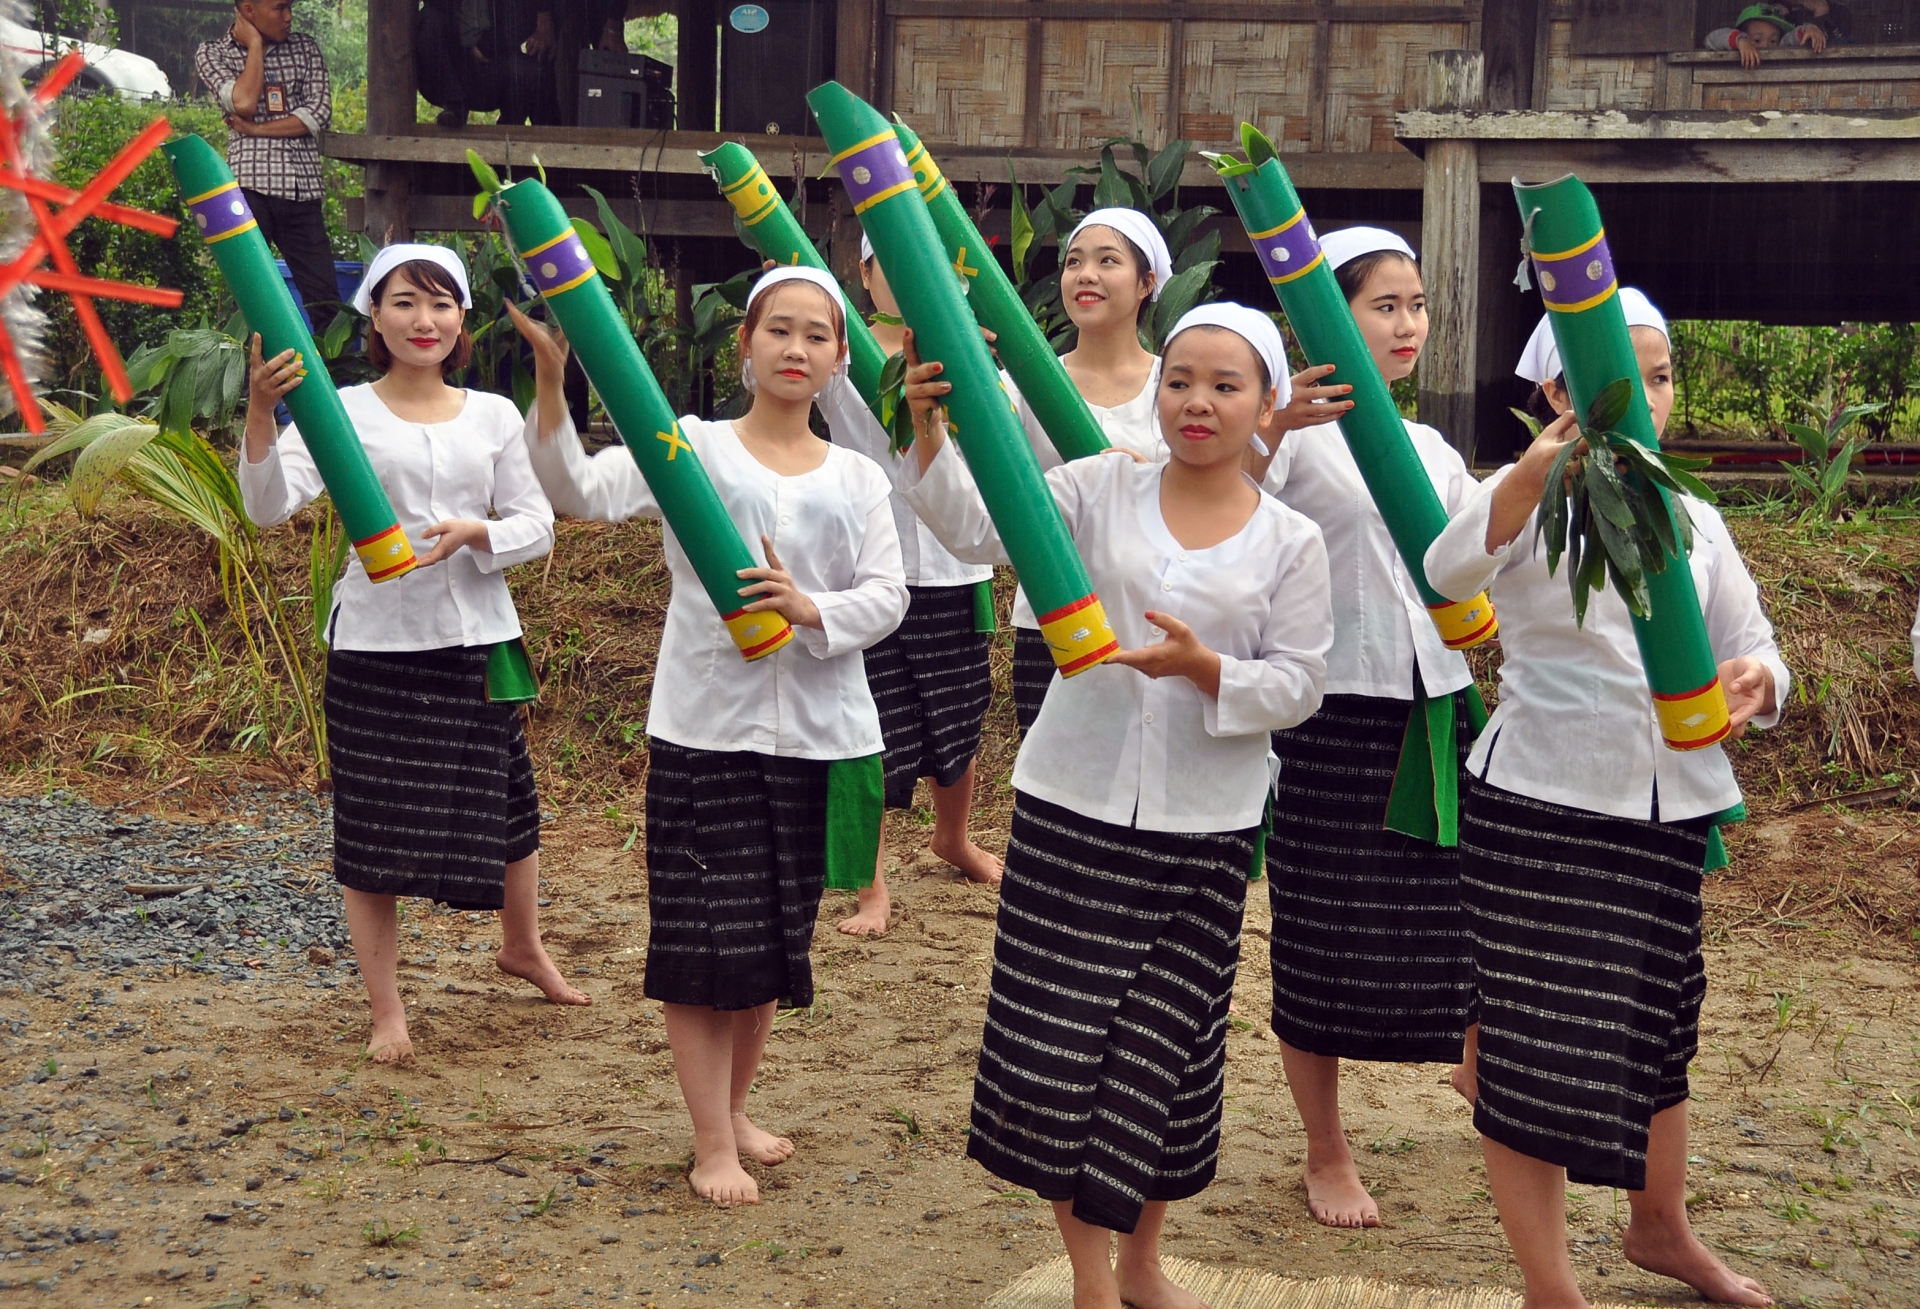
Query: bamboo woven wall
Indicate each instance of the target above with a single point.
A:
(967, 80)
(1596, 81)
(1248, 72)
(1874, 91)
(962, 79)
(1373, 72)
(1090, 74)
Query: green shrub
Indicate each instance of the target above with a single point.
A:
(87, 132)
(1748, 379)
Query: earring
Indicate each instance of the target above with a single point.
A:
(747, 383)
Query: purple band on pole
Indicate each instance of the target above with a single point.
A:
(1578, 279)
(222, 214)
(560, 265)
(1288, 251)
(874, 171)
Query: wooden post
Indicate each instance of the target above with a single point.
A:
(390, 112)
(696, 81)
(1450, 254)
(856, 49)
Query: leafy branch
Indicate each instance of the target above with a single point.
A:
(1608, 516)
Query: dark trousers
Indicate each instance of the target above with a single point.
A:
(298, 229)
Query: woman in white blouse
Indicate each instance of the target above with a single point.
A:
(740, 752)
(1114, 266)
(1582, 844)
(1369, 946)
(433, 790)
(931, 680)
(1137, 797)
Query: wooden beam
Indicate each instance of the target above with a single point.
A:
(1176, 72)
(1199, 11)
(1450, 255)
(609, 151)
(1767, 126)
(391, 93)
(1506, 36)
(1699, 161)
(1317, 86)
(654, 219)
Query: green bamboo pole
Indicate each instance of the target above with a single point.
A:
(1022, 348)
(1284, 240)
(565, 275)
(233, 237)
(770, 228)
(885, 199)
(1582, 296)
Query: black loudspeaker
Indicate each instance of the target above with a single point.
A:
(623, 90)
(772, 53)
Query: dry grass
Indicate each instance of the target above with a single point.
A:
(125, 612)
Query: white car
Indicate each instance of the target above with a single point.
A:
(122, 71)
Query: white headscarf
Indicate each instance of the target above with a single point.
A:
(800, 273)
(1540, 361)
(1349, 243)
(1137, 228)
(866, 248)
(1257, 330)
(405, 253)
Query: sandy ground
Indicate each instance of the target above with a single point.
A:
(196, 1144)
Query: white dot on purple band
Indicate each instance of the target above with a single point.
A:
(549, 269)
(1594, 270)
(201, 219)
(1281, 253)
(579, 251)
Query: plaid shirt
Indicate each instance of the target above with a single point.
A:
(284, 166)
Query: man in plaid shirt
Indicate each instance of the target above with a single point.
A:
(272, 82)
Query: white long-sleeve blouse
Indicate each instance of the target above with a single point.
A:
(473, 466)
(1113, 744)
(1575, 724)
(853, 426)
(1381, 629)
(1133, 425)
(833, 530)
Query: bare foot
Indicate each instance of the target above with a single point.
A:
(1336, 1198)
(390, 1044)
(724, 1182)
(759, 1145)
(1672, 1250)
(534, 966)
(1148, 1288)
(873, 915)
(977, 864)
(1462, 1079)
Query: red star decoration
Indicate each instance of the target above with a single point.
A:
(53, 225)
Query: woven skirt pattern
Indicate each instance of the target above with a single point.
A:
(736, 861)
(433, 792)
(931, 684)
(1113, 964)
(1586, 957)
(1033, 670)
(1370, 952)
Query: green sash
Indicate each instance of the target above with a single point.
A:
(856, 803)
(984, 619)
(1425, 801)
(510, 678)
(1716, 848)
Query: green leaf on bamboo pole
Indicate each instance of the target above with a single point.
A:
(1022, 235)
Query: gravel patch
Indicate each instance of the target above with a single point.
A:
(260, 899)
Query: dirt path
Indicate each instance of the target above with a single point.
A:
(187, 1142)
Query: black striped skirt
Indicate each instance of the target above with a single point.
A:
(1370, 952)
(1114, 957)
(433, 792)
(1033, 670)
(1586, 957)
(931, 684)
(736, 861)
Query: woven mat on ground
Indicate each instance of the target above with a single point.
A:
(1050, 1286)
